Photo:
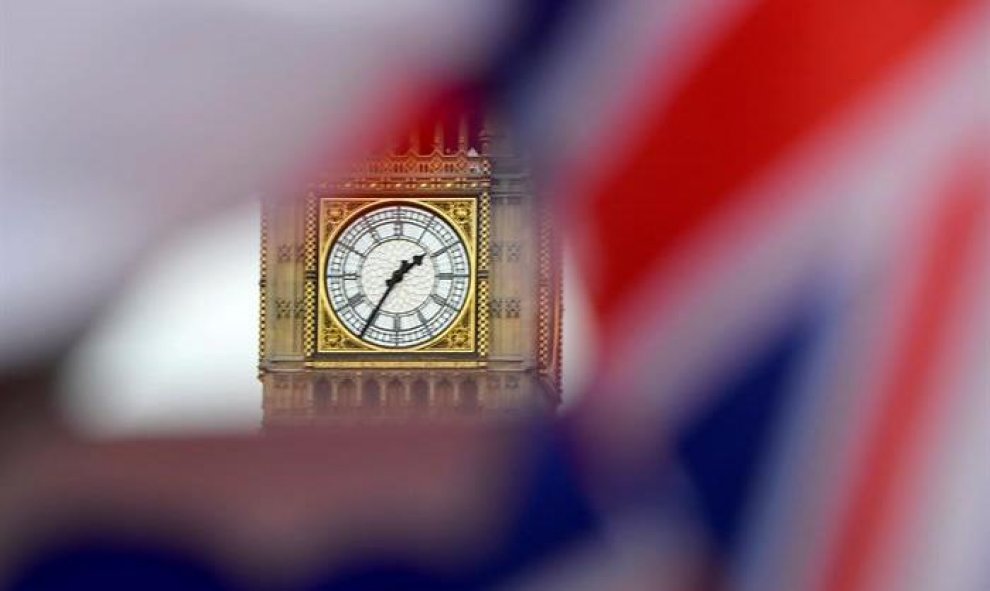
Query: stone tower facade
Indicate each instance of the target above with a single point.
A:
(499, 355)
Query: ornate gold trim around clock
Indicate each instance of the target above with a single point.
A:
(462, 213)
(396, 364)
(436, 172)
(484, 261)
(310, 249)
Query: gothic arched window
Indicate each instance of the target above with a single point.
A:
(394, 393)
(444, 394)
(321, 394)
(347, 393)
(372, 393)
(420, 394)
(469, 394)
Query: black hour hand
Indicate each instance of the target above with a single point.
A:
(404, 268)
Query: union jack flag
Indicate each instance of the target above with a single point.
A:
(779, 210)
(783, 218)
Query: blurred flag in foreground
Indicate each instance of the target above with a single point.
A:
(780, 212)
(783, 212)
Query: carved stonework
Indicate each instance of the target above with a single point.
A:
(513, 252)
(334, 214)
(460, 213)
(512, 307)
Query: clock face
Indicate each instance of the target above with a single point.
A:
(398, 276)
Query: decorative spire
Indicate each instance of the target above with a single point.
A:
(462, 134)
(414, 141)
(485, 136)
(438, 138)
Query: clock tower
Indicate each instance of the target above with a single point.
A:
(423, 282)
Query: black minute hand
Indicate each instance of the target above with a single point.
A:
(390, 284)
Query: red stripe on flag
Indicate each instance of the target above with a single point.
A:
(780, 73)
(910, 396)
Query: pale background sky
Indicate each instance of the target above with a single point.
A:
(177, 353)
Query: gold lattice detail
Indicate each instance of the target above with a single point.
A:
(309, 275)
(543, 302)
(437, 168)
(334, 213)
(410, 173)
(484, 319)
(336, 339)
(484, 250)
(484, 231)
(459, 212)
(457, 338)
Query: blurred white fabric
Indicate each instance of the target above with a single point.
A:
(122, 119)
(176, 352)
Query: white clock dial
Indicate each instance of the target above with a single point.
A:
(398, 276)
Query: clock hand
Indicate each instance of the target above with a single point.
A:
(405, 267)
(378, 307)
(390, 283)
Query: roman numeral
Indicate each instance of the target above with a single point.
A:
(426, 229)
(441, 301)
(451, 276)
(351, 248)
(371, 229)
(355, 300)
(441, 251)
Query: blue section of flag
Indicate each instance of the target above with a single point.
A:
(554, 511)
(94, 563)
(540, 26)
(725, 452)
(386, 575)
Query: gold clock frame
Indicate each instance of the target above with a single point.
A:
(463, 344)
(336, 214)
